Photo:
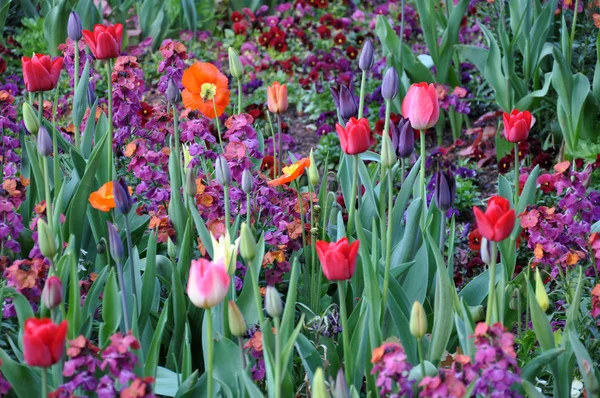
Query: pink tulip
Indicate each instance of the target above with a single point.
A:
(208, 283)
(420, 106)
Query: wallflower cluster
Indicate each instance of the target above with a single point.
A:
(392, 368)
(450, 382)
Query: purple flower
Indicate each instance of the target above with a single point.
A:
(392, 368)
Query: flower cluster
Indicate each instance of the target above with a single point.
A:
(68, 49)
(596, 301)
(454, 99)
(27, 277)
(450, 382)
(392, 368)
(255, 348)
(128, 89)
(173, 64)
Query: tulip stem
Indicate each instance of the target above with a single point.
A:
(573, 29)
(259, 307)
(352, 207)
(209, 352)
(442, 232)
(388, 246)
(279, 133)
(40, 108)
(75, 84)
(402, 170)
(422, 178)
(177, 140)
(227, 208)
(277, 358)
(239, 85)
(363, 87)
(301, 211)
(241, 344)
(274, 146)
(517, 184)
(489, 318)
(314, 275)
(123, 294)
(218, 125)
(421, 356)
(44, 383)
(248, 209)
(130, 253)
(345, 331)
(47, 193)
(110, 120)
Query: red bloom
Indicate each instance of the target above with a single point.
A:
(105, 41)
(475, 240)
(338, 259)
(355, 138)
(239, 28)
(236, 16)
(498, 221)
(516, 125)
(43, 342)
(40, 72)
(324, 32)
(339, 39)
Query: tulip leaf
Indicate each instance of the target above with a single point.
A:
(92, 299)
(287, 320)
(202, 231)
(586, 365)
(179, 305)
(311, 359)
(148, 280)
(89, 14)
(188, 386)
(80, 103)
(55, 26)
(399, 308)
(23, 380)
(152, 357)
(536, 365)
(247, 299)
(190, 15)
(185, 253)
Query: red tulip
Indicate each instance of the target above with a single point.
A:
(43, 342)
(355, 138)
(516, 125)
(338, 259)
(420, 106)
(41, 72)
(498, 221)
(105, 41)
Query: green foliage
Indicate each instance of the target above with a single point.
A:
(30, 38)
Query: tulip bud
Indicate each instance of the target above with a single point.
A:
(477, 313)
(389, 86)
(418, 321)
(247, 182)
(46, 240)
(91, 95)
(44, 142)
(52, 293)
(123, 201)
(247, 243)
(318, 385)
(191, 189)
(335, 94)
(171, 249)
(235, 65)
(406, 139)
(515, 298)
(30, 118)
(222, 172)
(445, 190)
(273, 303)
(173, 94)
(540, 292)
(313, 172)
(340, 389)
(388, 156)
(347, 103)
(115, 244)
(187, 158)
(237, 324)
(366, 60)
(486, 251)
(74, 26)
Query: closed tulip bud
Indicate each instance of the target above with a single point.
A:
(347, 103)
(420, 106)
(406, 139)
(273, 303)
(46, 240)
(319, 390)
(222, 172)
(172, 250)
(91, 95)
(52, 293)
(235, 65)
(389, 86)
(486, 251)
(173, 93)
(515, 298)
(477, 313)
(388, 156)
(208, 283)
(115, 244)
(191, 189)
(44, 142)
(237, 324)
(247, 182)
(30, 118)
(540, 292)
(366, 60)
(277, 98)
(313, 172)
(340, 389)
(123, 201)
(247, 243)
(418, 320)
(445, 190)
(74, 28)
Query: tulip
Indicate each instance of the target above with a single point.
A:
(338, 259)
(389, 86)
(173, 92)
(340, 388)
(43, 342)
(224, 251)
(208, 283)
(497, 223)
(40, 72)
(366, 59)
(445, 190)
(187, 158)
(172, 249)
(517, 125)
(44, 142)
(235, 65)
(347, 103)
(74, 26)
(388, 156)
(247, 182)
(486, 251)
(222, 171)
(418, 320)
(355, 138)
(91, 95)
(191, 188)
(123, 201)
(247, 243)
(46, 240)
(273, 303)
(313, 171)
(420, 106)
(405, 139)
(115, 244)
(30, 119)
(277, 98)
(540, 292)
(237, 324)
(52, 292)
(105, 41)
(318, 385)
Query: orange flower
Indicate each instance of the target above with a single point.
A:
(205, 89)
(103, 199)
(291, 172)
(277, 98)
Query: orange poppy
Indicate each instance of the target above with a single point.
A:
(205, 88)
(103, 198)
(291, 172)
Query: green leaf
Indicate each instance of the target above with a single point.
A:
(23, 380)
(287, 320)
(55, 26)
(149, 280)
(536, 365)
(311, 359)
(179, 304)
(111, 309)
(4, 7)
(586, 366)
(151, 364)
(189, 14)
(80, 100)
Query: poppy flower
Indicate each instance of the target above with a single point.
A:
(43, 342)
(40, 72)
(206, 88)
(105, 41)
(103, 199)
(497, 223)
(291, 172)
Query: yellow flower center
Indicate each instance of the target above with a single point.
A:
(289, 170)
(208, 91)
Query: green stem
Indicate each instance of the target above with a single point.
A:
(489, 318)
(218, 125)
(239, 85)
(279, 134)
(352, 207)
(388, 246)
(402, 169)
(130, 253)
(421, 356)
(227, 208)
(274, 146)
(301, 210)
(277, 358)
(177, 138)
(315, 291)
(123, 295)
(442, 232)
(345, 331)
(75, 84)
(209, 353)
(259, 307)
(248, 208)
(516, 175)
(573, 29)
(241, 344)
(527, 298)
(44, 383)
(363, 88)
(40, 107)
(422, 178)
(49, 214)
(109, 142)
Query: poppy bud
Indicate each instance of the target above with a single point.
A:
(52, 293)
(74, 28)
(273, 303)
(347, 103)
(123, 201)
(91, 95)
(237, 324)
(445, 190)
(235, 65)
(313, 172)
(30, 118)
(540, 292)
(389, 86)
(190, 182)
(44, 142)
(115, 244)
(247, 182)
(46, 240)
(406, 139)
(319, 390)
(366, 60)
(388, 156)
(418, 320)
(340, 389)
(247, 243)
(486, 251)
(173, 94)
(101, 246)
(222, 172)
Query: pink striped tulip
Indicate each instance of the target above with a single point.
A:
(208, 283)
(420, 106)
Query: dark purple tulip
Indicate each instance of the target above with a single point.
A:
(222, 171)
(405, 145)
(173, 94)
(445, 190)
(348, 106)
(335, 94)
(115, 244)
(123, 201)
(389, 86)
(74, 26)
(91, 95)
(366, 60)
(44, 142)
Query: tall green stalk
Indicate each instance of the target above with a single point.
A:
(239, 86)
(109, 142)
(422, 178)
(218, 126)
(352, 207)
(388, 246)
(123, 294)
(517, 184)
(363, 88)
(277, 358)
(489, 317)
(209, 352)
(345, 331)
(75, 84)
(130, 253)
(227, 208)
(44, 383)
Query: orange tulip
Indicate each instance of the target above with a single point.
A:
(291, 172)
(206, 88)
(277, 98)
(103, 198)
